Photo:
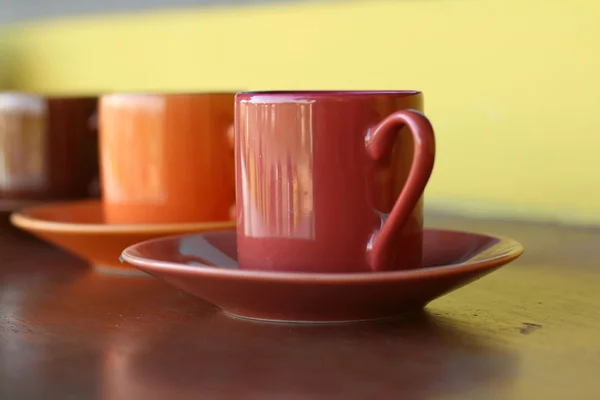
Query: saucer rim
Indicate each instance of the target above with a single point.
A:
(24, 220)
(515, 250)
(8, 205)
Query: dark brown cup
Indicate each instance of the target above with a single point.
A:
(49, 147)
(331, 181)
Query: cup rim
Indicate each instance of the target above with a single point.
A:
(328, 93)
(135, 94)
(22, 102)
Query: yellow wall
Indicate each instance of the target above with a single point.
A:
(512, 86)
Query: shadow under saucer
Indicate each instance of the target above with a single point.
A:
(418, 357)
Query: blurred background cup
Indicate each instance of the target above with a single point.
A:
(166, 158)
(48, 146)
(73, 159)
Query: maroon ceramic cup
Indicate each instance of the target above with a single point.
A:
(331, 181)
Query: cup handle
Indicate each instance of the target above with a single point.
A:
(379, 143)
(231, 141)
(92, 122)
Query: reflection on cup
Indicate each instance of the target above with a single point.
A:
(23, 144)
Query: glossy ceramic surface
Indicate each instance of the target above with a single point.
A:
(49, 148)
(79, 228)
(332, 180)
(24, 139)
(206, 265)
(166, 158)
(73, 147)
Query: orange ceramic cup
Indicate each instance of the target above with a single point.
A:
(166, 158)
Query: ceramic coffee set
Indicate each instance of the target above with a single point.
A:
(289, 206)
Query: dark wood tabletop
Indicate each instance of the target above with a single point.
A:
(528, 331)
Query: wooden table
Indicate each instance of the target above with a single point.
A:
(528, 331)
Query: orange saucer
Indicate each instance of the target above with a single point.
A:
(79, 227)
(10, 205)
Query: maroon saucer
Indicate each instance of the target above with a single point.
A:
(205, 265)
